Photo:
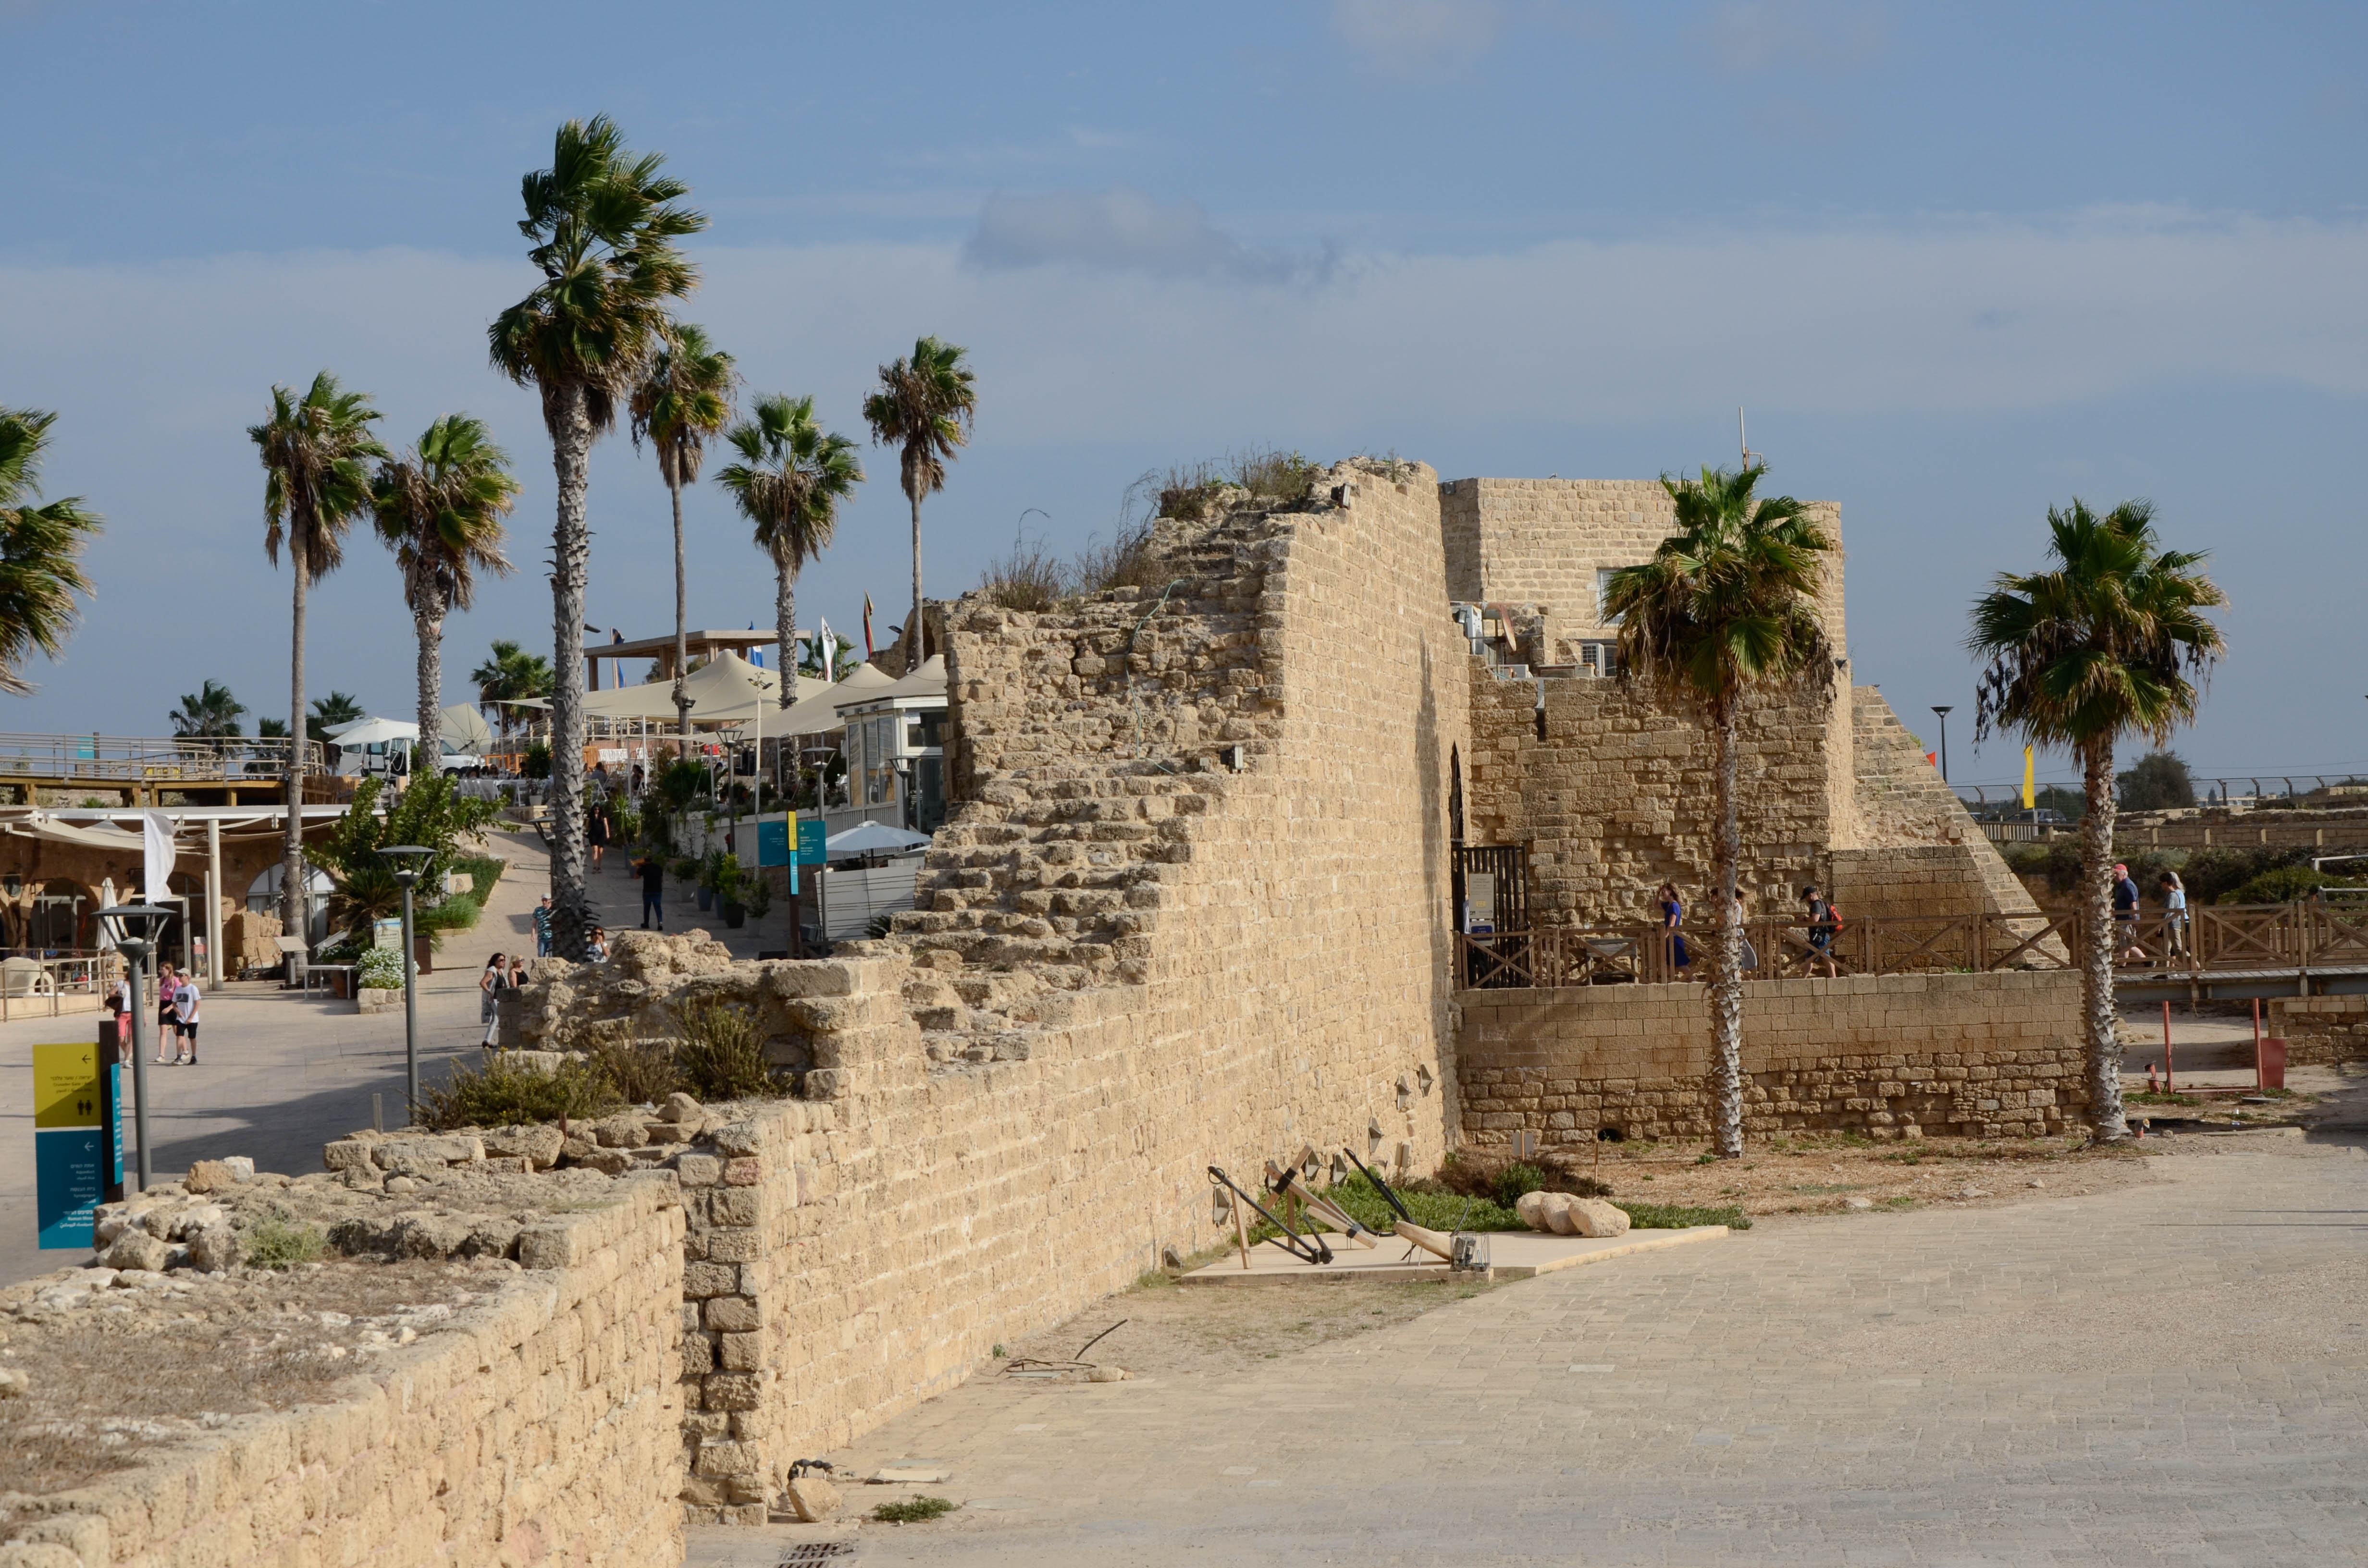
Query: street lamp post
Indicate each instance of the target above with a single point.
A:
(131, 925)
(1943, 710)
(410, 860)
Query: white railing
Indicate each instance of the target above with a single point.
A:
(132, 759)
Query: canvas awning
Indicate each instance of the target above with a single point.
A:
(727, 690)
(820, 712)
(873, 839)
(929, 680)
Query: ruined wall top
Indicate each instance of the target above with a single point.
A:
(1543, 541)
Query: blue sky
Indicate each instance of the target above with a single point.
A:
(1960, 264)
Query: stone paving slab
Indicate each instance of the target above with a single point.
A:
(2170, 1373)
(1512, 1254)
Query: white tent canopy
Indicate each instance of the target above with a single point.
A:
(929, 680)
(820, 712)
(872, 839)
(373, 732)
(727, 690)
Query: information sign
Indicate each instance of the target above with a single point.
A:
(77, 1141)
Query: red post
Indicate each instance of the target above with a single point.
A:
(2270, 1059)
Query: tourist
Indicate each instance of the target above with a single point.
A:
(2174, 915)
(596, 950)
(595, 831)
(1825, 925)
(518, 972)
(653, 870)
(185, 1017)
(120, 1004)
(1743, 919)
(637, 781)
(2127, 949)
(167, 1026)
(542, 927)
(489, 986)
(1673, 941)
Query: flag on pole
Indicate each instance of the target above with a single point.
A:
(755, 655)
(867, 627)
(2030, 795)
(826, 650)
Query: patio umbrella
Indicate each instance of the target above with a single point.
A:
(872, 838)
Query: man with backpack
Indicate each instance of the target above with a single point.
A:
(1825, 925)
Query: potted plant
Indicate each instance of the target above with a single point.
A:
(711, 877)
(731, 888)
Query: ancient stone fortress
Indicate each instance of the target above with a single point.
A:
(1193, 905)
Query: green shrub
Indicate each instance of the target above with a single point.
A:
(537, 761)
(757, 895)
(1516, 1179)
(641, 1072)
(280, 1242)
(381, 970)
(679, 782)
(913, 1510)
(500, 1092)
(722, 1056)
(2284, 885)
(1679, 1216)
(683, 869)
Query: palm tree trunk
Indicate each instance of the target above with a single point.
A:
(571, 448)
(429, 621)
(913, 621)
(681, 635)
(785, 627)
(295, 917)
(1726, 977)
(2097, 955)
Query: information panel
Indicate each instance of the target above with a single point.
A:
(77, 1140)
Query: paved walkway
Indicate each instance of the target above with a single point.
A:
(2173, 1373)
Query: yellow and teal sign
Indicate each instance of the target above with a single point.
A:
(77, 1139)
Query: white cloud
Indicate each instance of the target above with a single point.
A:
(1748, 36)
(1119, 230)
(1409, 38)
(157, 369)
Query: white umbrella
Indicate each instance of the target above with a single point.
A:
(464, 729)
(105, 901)
(372, 732)
(872, 839)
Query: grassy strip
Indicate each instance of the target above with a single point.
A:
(913, 1510)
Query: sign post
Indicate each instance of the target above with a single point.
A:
(77, 1141)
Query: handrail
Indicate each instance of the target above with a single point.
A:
(143, 759)
(2212, 939)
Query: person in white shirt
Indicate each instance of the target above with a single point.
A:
(185, 1018)
(2174, 915)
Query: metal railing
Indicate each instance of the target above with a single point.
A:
(2212, 939)
(170, 759)
(1784, 950)
(2002, 803)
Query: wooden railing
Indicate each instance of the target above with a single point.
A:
(2214, 939)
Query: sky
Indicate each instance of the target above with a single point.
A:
(1959, 265)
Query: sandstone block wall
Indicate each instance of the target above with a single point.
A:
(1620, 794)
(2321, 1031)
(1977, 1056)
(541, 1427)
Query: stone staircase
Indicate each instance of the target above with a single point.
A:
(1051, 876)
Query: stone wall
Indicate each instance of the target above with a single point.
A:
(538, 1427)
(1620, 793)
(1131, 962)
(1975, 1056)
(2320, 1031)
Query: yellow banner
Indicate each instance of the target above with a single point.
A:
(2029, 796)
(65, 1084)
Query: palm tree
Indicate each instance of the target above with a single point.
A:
(512, 674)
(791, 479)
(314, 449)
(441, 508)
(2110, 640)
(924, 405)
(41, 550)
(604, 223)
(328, 712)
(210, 713)
(1725, 607)
(684, 399)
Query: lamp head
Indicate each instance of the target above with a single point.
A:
(132, 926)
(409, 860)
(1943, 709)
